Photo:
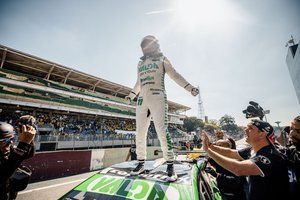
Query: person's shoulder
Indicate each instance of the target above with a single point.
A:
(273, 154)
(245, 153)
(292, 153)
(264, 159)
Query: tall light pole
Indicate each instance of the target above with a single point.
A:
(266, 112)
(200, 106)
(278, 122)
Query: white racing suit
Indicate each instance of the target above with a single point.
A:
(152, 102)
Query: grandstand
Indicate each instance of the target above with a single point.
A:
(67, 101)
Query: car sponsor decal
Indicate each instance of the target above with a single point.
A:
(131, 188)
(183, 178)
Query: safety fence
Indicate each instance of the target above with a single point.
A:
(75, 142)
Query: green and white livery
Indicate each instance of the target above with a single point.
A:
(152, 102)
(193, 183)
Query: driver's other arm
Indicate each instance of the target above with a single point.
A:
(176, 76)
(239, 168)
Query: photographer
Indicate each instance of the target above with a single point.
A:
(11, 157)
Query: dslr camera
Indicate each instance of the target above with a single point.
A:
(27, 120)
(254, 110)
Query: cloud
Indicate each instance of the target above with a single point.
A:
(159, 11)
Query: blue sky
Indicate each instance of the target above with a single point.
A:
(234, 50)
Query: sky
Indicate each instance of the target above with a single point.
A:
(233, 50)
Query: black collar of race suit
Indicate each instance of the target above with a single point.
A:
(153, 56)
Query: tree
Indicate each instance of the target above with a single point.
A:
(211, 125)
(192, 124)
(227, 123)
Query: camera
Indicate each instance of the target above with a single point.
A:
(254, 110)
(27, 120)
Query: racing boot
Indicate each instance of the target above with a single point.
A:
(139, 169)
(172, 176)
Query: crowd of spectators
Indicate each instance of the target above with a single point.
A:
(53, 124)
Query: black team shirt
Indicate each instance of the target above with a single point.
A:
(273, 183)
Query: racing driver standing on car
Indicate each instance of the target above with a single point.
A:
(152, 102)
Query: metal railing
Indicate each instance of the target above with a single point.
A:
(95, 141)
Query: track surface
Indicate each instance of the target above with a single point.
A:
(52, 189)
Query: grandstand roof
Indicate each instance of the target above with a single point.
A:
(28, 64)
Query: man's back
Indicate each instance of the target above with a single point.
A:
(273, 183)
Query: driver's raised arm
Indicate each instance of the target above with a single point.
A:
(176, 76)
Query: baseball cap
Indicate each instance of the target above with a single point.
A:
(264, 127)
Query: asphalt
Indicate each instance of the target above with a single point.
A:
(52, 189)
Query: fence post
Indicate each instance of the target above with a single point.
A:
(73, 142)
(89, 138)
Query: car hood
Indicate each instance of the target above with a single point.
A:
(115, 182)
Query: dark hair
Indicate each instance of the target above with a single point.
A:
(297, 118)
(233, 145)
(286, 129)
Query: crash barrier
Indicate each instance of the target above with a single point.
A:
(73, 142)
(56, 164)
(48, 165)
(106, 157)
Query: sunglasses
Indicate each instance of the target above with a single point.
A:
(7, 140)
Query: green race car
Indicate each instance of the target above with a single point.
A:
(115, 182)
